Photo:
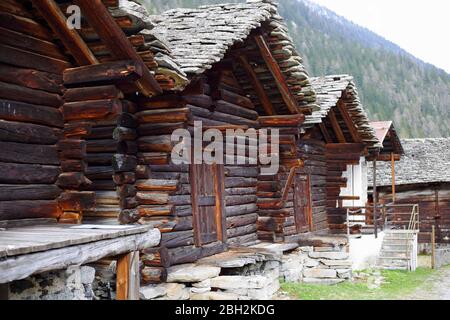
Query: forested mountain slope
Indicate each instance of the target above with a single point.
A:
(392, 83)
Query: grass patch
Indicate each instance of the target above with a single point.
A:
(397, 284)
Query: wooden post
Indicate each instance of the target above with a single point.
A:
(375, 198)
(393, 176)
(134, 282)
(127, 276)
(310, 205)
(433, 247)
(4, 291)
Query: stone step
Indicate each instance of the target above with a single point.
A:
(400, 232)
(394, 268)
(395, 251)
(393, 247)
(393, 258)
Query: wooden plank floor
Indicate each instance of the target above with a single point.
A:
(29, 239)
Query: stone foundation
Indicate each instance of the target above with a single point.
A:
(317, 265)
(75, 283)
(258, 281)
(254, 274)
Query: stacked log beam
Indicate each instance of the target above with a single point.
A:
(133, 19)
(276, 212)
(161, 196)
(99, 149)
(337, 161)
(30, 116)
(312, 150)
(233, 107)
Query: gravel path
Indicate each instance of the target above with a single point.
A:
(437, 288)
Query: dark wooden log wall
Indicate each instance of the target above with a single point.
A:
(100, 150)
(338, 156)
(276, 216)
(434, 206)
(131, 29)
(312, 150)
(165, 200)
(31, 91)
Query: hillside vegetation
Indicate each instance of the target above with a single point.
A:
(392, 83)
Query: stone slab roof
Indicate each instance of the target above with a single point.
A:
(425, 161)
(329, 90)
(198, 38)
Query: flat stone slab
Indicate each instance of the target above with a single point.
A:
(329, 255)
(319, 273)
(336, 263)
(191, 273)
(240, 282)
(323, 240)
(311, 263)
(278, 248)
(152, 292)
(240, 257)
(217, 295)
(322, 281)
(177, 291)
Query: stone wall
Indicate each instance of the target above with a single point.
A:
(238, 279)
(317, 265)
(258, 281)
(75, 283)
(442, 256)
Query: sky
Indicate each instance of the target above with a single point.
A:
(420, 27)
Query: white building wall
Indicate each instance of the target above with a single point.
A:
(356, 184)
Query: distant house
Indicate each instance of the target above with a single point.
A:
(422, 176)
(338, 137)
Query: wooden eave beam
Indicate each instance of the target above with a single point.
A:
(349, 122)
(345, 148)
(388, 157)
(274, 68)
(260, 92)
(325, 133)
(118, 44)
(73, 42)
(336, 128)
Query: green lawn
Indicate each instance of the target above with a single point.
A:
(397, 284)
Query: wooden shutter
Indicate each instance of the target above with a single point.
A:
(207, 192)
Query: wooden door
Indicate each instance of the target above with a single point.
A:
(207, 194)
(302, 203)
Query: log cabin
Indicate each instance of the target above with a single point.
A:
(92, 114)
(421, 177)
(88, 116)
(56, 97)
(244, 72)
(337, 139)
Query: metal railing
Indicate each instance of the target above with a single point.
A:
(388, 217)
(409, 221)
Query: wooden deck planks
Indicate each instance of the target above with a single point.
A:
(25, 240)
(22, 266)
